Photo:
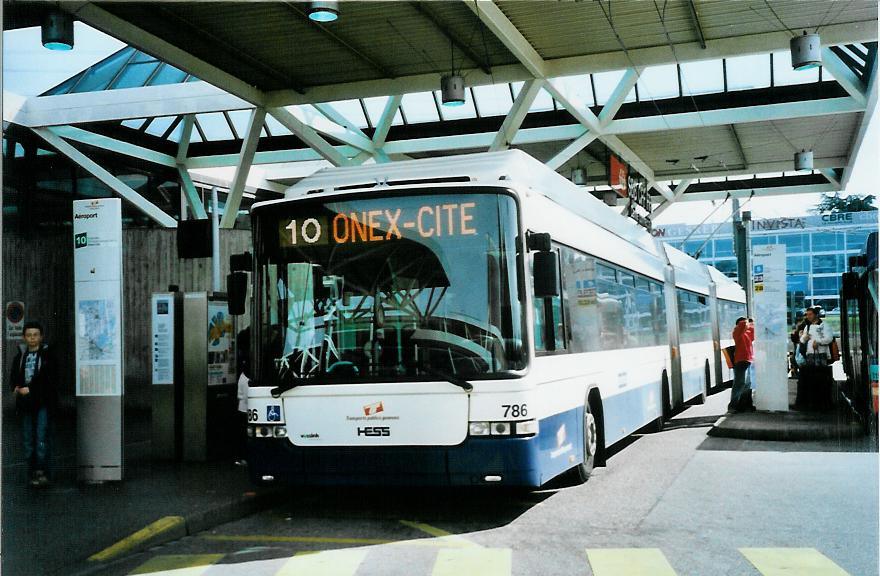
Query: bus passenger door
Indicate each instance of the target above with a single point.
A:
(715, 320)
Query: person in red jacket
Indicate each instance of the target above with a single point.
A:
(744, 354)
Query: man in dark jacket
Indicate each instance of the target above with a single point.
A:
(33, 379)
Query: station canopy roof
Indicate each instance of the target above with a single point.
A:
(698, 97)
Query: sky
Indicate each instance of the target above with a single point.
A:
(29, 69)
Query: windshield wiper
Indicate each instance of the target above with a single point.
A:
(451, 378)
(289, 385)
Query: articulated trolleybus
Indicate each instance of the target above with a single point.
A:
(466, 320)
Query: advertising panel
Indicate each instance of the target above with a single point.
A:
(771, 328)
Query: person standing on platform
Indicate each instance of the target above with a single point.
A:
(744, 354)
(243, 366)
(817, 337)
(33, 380)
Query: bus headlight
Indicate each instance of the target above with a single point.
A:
(479, 429)
(501, 428)
(280, 432)
(251, 432)
(526, 428)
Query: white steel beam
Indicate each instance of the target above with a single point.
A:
(571, 149)
(844, 76)
(123, 104)
(679, 192)
(501, 26)
(745, 114)
(718, 48)
(753, 168)
(575, 106)
(14, 108)
(621, 91)
(516, 115)
(867, 118)
(758, 192)
(248, 149)
(113, 145)
(384, 123)
(191, 194)
(308, 135)
(831, 176)
(128, 32)
(185, 137)
(311, 116)
(111, 181)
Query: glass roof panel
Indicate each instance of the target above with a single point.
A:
(375, 106)
(493, 100)
(100, 75)
(19, 150)
(65, 86)
(543, 101)
(143, 57)
(785, 75)
(466, 110)
(276, 127)
(656, 82)
(177, 132)
(419, 107)
(705, 77)
(214, 126)
(159, 125)
(606, 82)
(748, 72)
(135, 75)
(240, 121)
(168, 74)
(136, 124)
(577, 88)
(352, 111)
(195, 136)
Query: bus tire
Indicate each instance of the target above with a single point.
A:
(593, 442)
(701, 397)
(666, 409)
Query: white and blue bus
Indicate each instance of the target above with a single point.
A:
(466, 320)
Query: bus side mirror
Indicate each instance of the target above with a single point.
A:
(546, 274)
(236, 292)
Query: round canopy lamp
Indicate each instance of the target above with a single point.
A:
(806, 51)
(326, 11)
(452, 90)
(803, 160)
(57, 30)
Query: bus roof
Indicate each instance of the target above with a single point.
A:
(726, 288)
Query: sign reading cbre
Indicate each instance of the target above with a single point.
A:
(378, 225)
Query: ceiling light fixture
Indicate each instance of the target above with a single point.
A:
(452, 84)
(57, 30)
(325, 11)
(806, 51)
(579, 176)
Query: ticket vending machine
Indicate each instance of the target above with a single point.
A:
(199, 404)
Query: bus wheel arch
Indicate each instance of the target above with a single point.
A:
(593, 404)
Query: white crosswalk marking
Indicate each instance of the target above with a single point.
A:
(789, 561)
(473, 562)
(328, 563)
(628, 562)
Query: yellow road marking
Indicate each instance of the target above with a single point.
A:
(178, 564)
(303, 539)
(439, 533)
(473, 562)
(787, 561)
(628, 562)
(329, 563)
(139, 537)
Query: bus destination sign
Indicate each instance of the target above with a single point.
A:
(378, 224)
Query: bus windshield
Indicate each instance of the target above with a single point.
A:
(388, 289)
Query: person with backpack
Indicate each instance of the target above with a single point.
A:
(816, 371)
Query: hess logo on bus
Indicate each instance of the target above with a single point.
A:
(374, 431)
(427, 221)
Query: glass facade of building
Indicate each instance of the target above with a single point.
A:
(817, 251)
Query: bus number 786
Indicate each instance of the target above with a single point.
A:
(515, 410)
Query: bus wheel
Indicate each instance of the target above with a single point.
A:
(665, 412)
(592, 443)
(701, 397)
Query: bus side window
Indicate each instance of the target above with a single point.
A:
(549, 322)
